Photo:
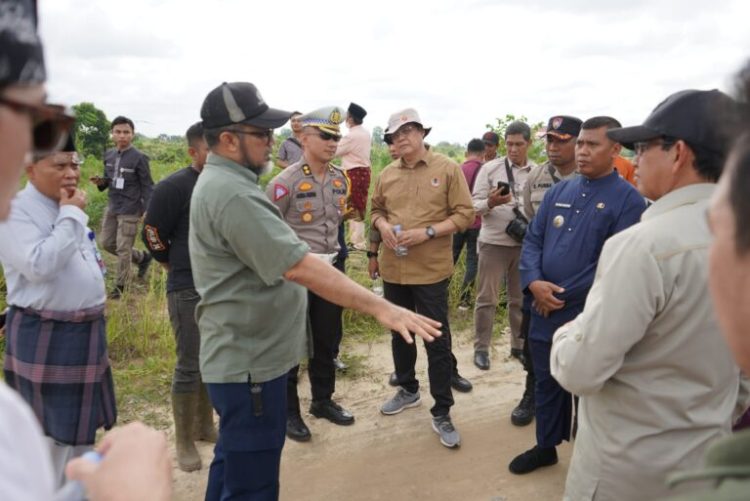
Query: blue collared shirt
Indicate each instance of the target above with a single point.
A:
(564, 240)
(49, 255)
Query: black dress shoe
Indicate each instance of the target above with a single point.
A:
(523, 414)
(461, 384)
(331, 411)
(482, 360)
(393, 379)
(296, 429)
(532, 459)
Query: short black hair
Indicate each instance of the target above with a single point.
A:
(194, 133)
(119, 120)
(518, 127)
(212, 135)
(602, 121)
(476, 145)
(355, 120)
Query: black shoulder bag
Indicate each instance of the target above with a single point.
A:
(516, 228)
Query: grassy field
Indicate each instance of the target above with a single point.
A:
(141, 342)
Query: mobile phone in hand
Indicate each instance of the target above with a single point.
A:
(503, 187)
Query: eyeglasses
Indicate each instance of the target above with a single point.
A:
(406, 129)
(51, 125)
(325, 136)
(641, 147)
(265, 135)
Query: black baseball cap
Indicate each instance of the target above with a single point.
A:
(701, 118)
(240, 103)
(564, 126)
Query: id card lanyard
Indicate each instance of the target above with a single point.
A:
(119, 180)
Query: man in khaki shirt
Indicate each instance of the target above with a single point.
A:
(657, 383)
(418, 202)
(498, 252)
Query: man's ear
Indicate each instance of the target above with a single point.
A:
(683, 157)
(30, 172)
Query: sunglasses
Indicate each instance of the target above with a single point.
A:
(51, 124)
(325, 136)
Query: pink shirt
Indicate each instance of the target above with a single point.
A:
(354, 148)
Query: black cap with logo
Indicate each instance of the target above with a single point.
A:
(240, 103)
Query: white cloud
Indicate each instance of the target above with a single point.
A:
(461, 64)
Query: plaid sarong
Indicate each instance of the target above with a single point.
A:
(58, 362)
(360, 180)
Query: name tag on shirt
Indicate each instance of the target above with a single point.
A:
(562, 205)
(119, 183)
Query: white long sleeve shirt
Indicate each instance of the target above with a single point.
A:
(49, 255)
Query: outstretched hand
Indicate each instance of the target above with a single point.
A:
(406, 322)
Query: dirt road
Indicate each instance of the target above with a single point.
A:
(399, 457)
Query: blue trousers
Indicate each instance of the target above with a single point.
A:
(247, 455)
(553, 403)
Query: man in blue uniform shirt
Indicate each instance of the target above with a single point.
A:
(558, 261)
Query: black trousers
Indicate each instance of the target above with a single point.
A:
(325, 324)
(528, 361)
(431, 301)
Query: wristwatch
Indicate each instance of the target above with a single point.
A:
(430, 232)
(371, 254)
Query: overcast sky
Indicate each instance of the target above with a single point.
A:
(459, 63)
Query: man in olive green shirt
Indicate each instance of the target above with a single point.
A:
(251, 272)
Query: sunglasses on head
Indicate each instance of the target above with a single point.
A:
(51, 124)
(325, 136)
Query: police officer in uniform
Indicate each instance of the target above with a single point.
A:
(312, 195)
(562, 131)
(558, 262)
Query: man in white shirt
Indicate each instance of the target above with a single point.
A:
(657, 383)
(56, 344)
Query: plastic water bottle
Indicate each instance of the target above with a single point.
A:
(74, 490)
(400, 250)
(377, 286)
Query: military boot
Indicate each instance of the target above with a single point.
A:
(185, 409)
(205, 429)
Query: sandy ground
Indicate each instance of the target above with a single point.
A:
(400, 457)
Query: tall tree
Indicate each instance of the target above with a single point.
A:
(91, 129)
